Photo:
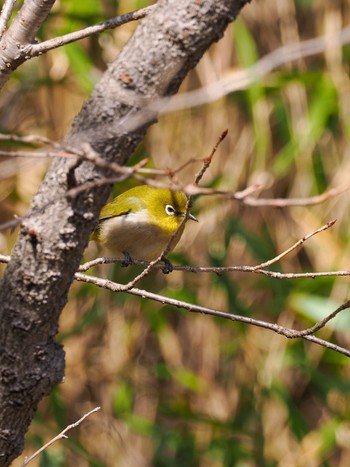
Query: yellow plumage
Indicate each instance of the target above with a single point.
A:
(141, 221)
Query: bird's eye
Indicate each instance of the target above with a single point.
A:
(169, 209)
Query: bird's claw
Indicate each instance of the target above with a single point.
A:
(128, 261)
(168, 267)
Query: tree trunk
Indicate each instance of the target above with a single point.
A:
(166, 45)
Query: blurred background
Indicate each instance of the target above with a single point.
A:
(178, 389)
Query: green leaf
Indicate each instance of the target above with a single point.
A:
(315, 308)
(140, 425)
(188, 379)
(248, 56)
(123, 399)
(82, 9)
(51, 458)
(81, 66)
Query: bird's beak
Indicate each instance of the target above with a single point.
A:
(190, 216)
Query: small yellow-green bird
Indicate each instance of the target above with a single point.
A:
(140, 222)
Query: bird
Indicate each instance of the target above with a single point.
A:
(140, 222)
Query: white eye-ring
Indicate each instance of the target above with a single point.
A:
(169, 209)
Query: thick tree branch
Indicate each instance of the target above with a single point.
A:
(166, 45)
(5, 15)
(21, 32)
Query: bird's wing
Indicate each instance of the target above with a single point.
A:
(116, 207)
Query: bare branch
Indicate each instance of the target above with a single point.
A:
(287, 332)
(33, 50)
(5, 15)
(26, 139)
(87, 153)
(323, 322)
(69, 195)
(36, 154)
(19, 45)
(217, 270)
(59, 436)
(290, 333)
(21, 31)
(285, 202)
(243, 196)
(207, 160)
(293, 247)
(241, 79)
(301, 275)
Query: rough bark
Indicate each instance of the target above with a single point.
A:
(33, 291)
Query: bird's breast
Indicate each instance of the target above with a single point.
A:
(133, 233)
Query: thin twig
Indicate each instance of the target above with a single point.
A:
(33, 50)
(36, 154)
(26, 138)
(192, 189)
(283, 202)
(72, 193)
(232, 82)
(218, 270)
(323, 322)
(301, 275)
(87, 153)
(172, 172)
(241, 195)
(287, 332)
(59, 436)
(207, 160)
(293, 247)
(242, 79)
(237, 80)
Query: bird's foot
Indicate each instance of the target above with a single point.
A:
(128, 261)
(168, 267)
